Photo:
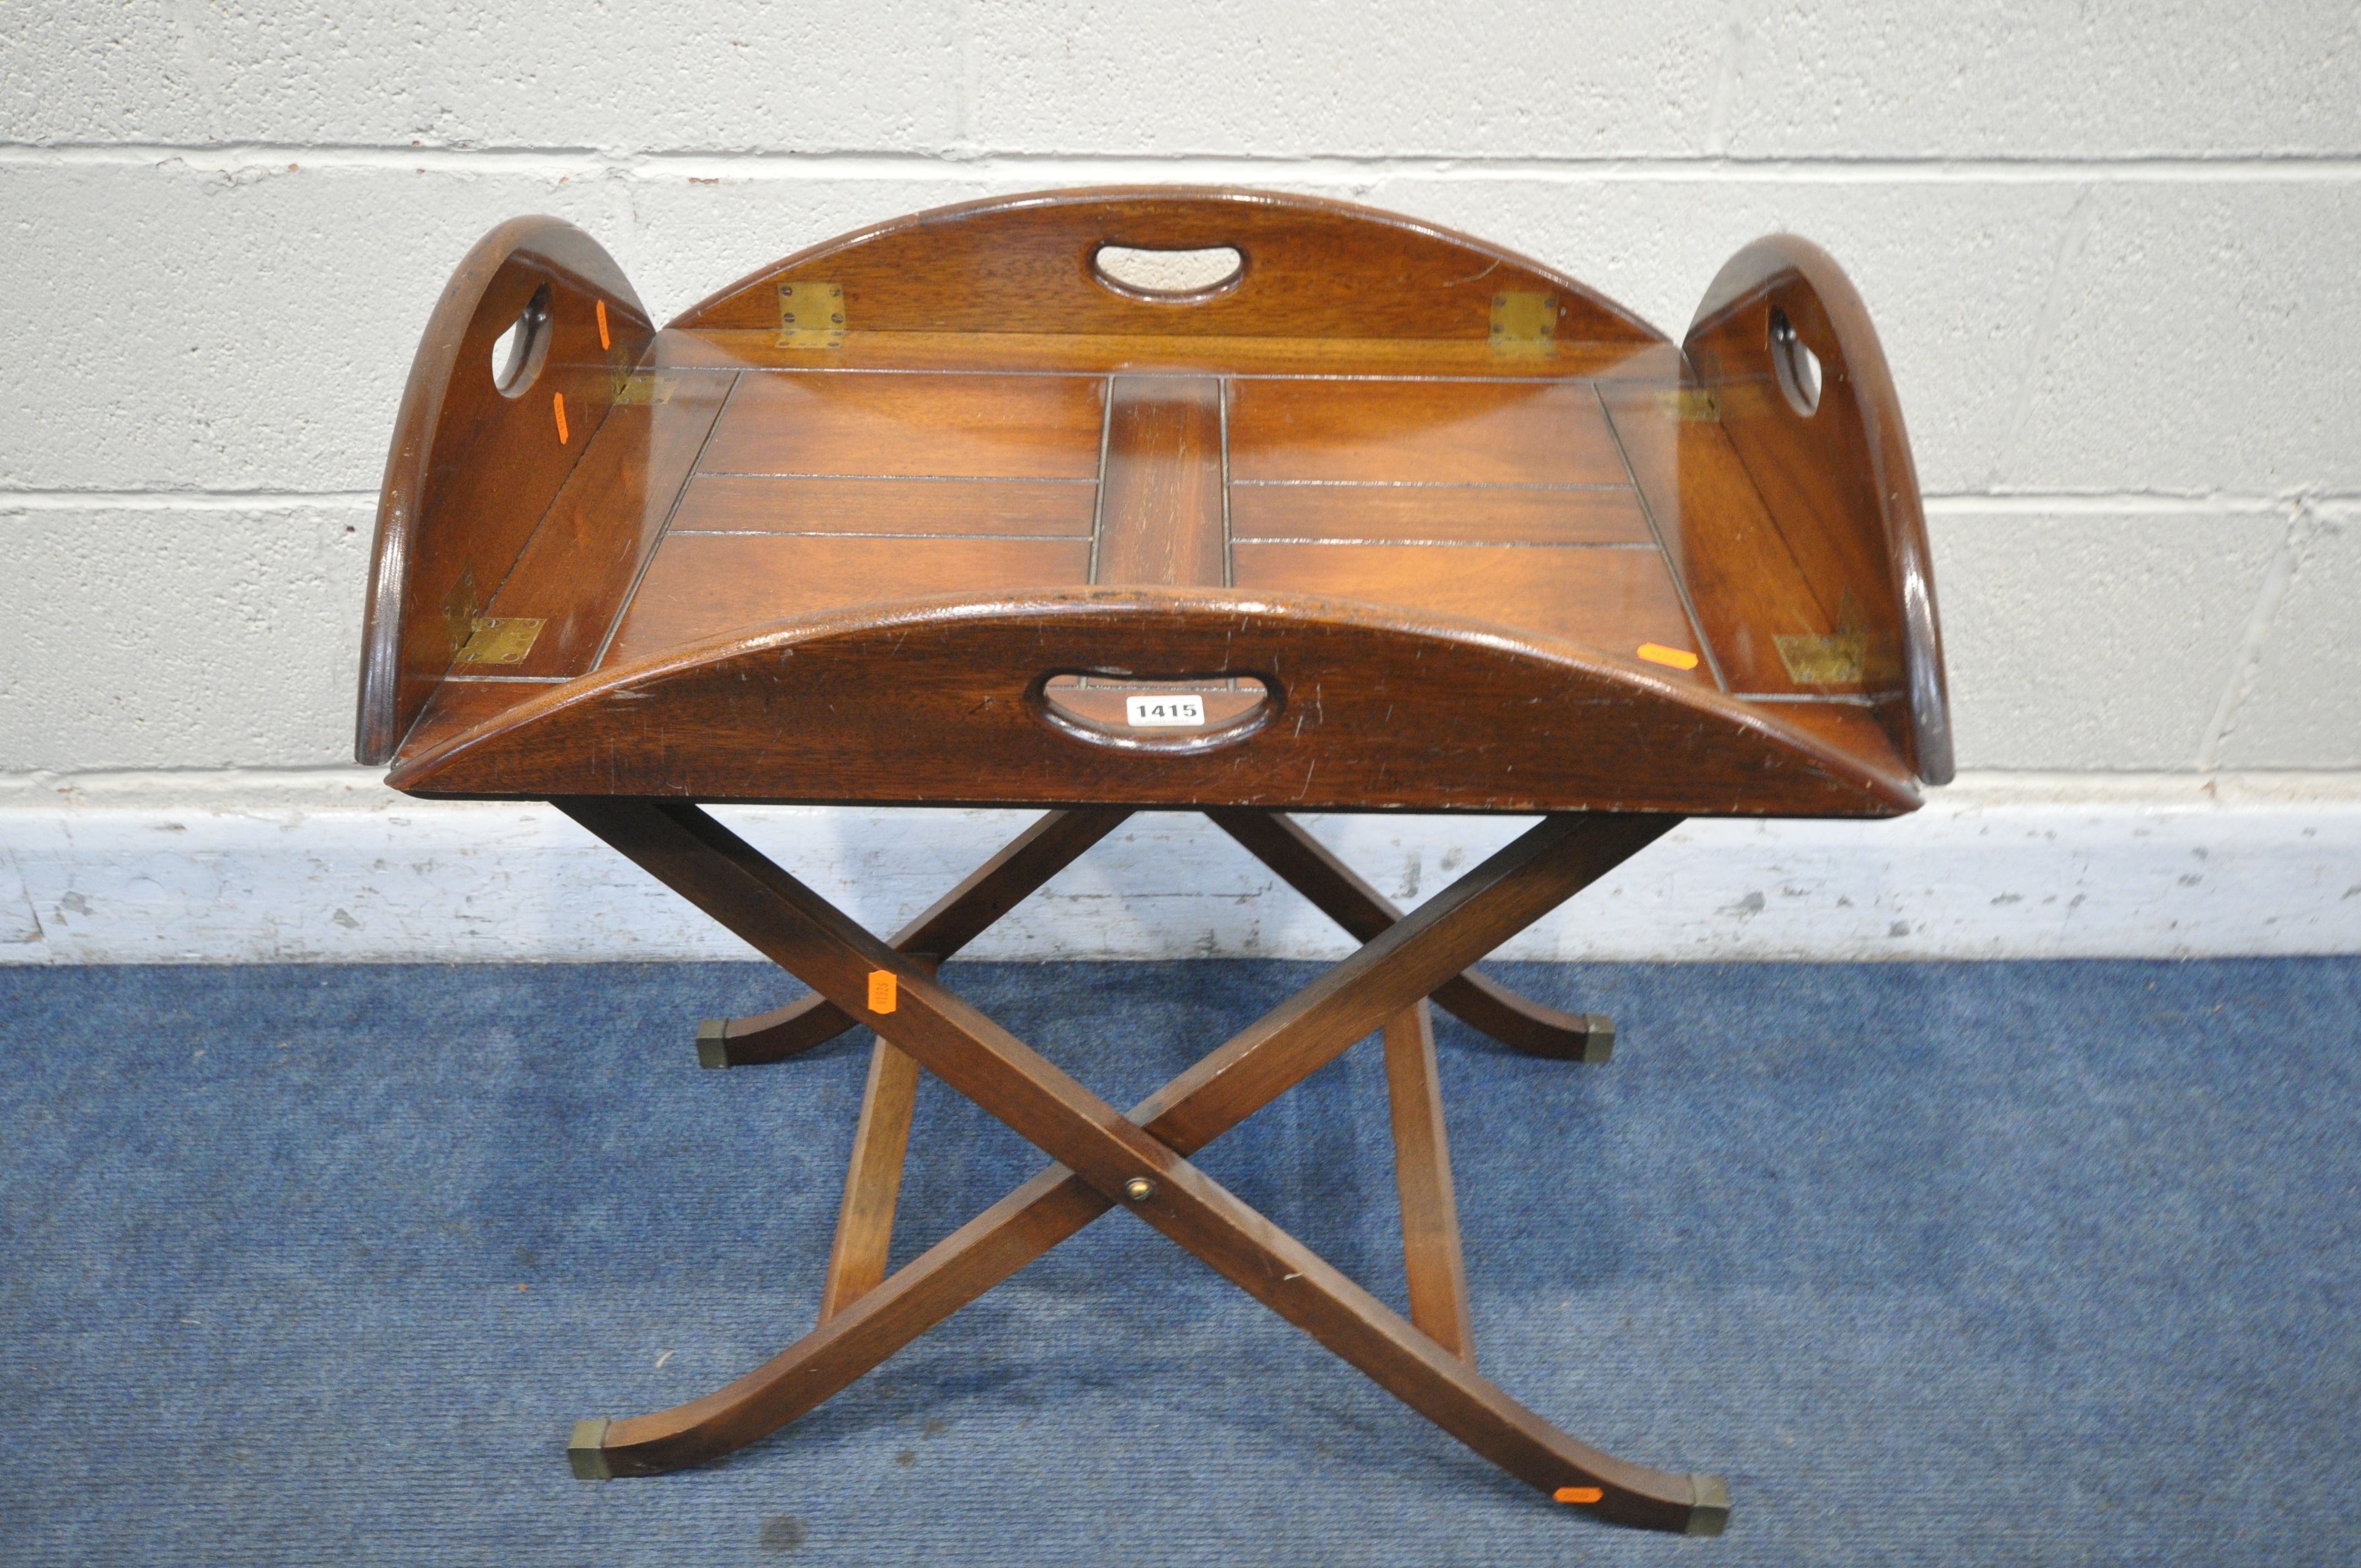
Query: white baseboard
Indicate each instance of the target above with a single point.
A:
(330, 867)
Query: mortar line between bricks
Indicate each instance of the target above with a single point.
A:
(1053, 168)
(178, 499)
(2119, 503)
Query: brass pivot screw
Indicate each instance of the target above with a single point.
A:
(1139, 1190)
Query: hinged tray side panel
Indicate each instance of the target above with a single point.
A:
(950, 702)
(1307, 268)
(1788, 363)
(475, 464)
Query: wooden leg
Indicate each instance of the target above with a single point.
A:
(1332, 887)
(864, 1226)
(954, 920)
(1308, 1030)
(1118, 1159)
(920, 1294)
(1432, 1257)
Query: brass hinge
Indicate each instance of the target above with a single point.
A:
(811, 315)
(1524, 325)
(1835, 659)
(1728, 402)
(1852, 655)
(500, 639)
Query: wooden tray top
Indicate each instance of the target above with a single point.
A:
(914, 516)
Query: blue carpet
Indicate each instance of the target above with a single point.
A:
(2038, 1263)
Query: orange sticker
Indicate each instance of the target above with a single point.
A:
(1577, 1494)
(883, 993)
(557, 402)
(1678, 658)
(604, 341)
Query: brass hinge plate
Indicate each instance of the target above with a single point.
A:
(1853, 654)
(1524, 325)
(811, 315)
(1836, 659)
(500, 640)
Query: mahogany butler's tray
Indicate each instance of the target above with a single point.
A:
(980, 506)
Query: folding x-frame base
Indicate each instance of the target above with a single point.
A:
(1107, 1159)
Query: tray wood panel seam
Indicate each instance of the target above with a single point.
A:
(1672, 568)
(630, 596)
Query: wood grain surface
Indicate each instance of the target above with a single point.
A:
(702, 585)
(1007, 427)
(1313, 269)
(737, 503)
(1614, 600)
(1161, 519)
(1437, 514)
(1422, 432)
(936, 702)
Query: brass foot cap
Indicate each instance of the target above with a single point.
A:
(1599, 1038)
(586, 1452)
(713, 1043)
(1709, 1505)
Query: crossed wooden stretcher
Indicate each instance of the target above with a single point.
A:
(1107, 1159)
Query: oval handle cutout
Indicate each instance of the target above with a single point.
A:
(1188, 713)
(1797, 368)
(518, 353)
(1169, 277)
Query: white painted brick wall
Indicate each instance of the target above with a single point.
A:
(737, 75)
(2110, 251)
